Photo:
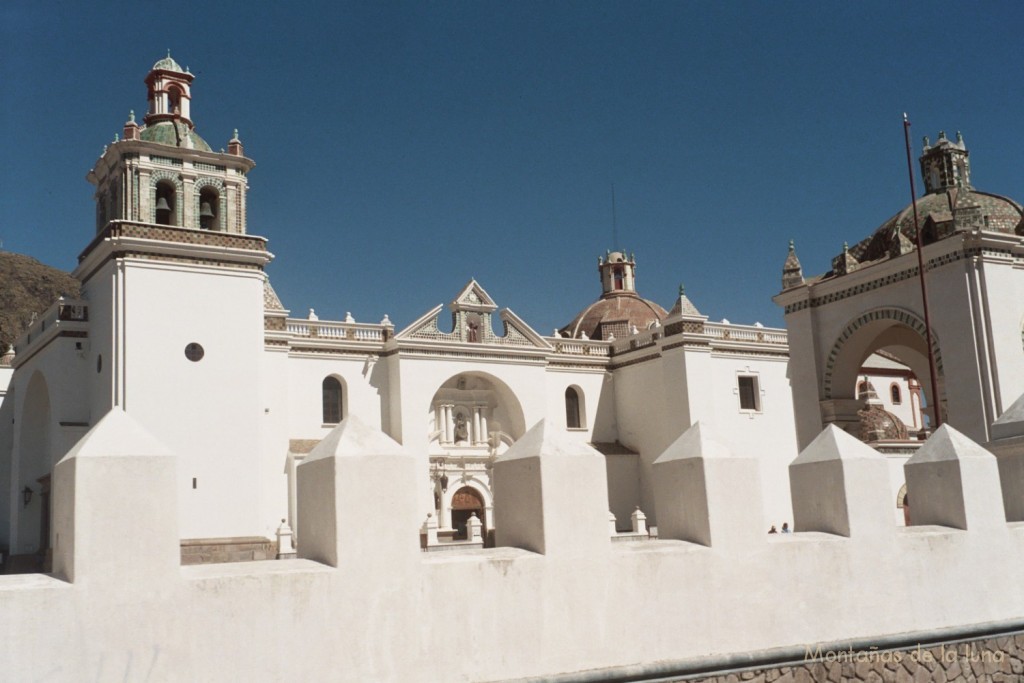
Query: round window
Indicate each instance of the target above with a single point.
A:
(194, 352)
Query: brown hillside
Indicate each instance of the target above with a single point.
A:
(26, 287)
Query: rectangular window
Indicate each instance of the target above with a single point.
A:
(750, 395)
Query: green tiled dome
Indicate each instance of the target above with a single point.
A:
(163, 133)
(168, 64)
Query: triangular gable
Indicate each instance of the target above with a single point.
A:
(424, 326)
(519, 333)
(473, 297)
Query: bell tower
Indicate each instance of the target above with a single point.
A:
(163, 172)
(175, 289)
(617, 274)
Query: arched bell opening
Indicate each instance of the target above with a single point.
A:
(209, 207)
(165, 210)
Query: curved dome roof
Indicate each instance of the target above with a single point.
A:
(1000, 214)
(614, 315)
(168, 64)
(163, 133)
(877, 423)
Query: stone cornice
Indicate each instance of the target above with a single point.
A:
(990, 247)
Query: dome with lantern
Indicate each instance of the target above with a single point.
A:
(619, 310)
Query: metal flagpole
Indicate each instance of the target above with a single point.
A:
(936, 408)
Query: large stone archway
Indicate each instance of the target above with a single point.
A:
(899, 332)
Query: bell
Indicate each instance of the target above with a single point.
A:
(205, 211)
(161, 204)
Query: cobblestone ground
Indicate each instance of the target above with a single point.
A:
(995, 660)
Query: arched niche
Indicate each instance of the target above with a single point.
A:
(473, 414)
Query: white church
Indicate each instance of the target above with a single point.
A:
(179, 326)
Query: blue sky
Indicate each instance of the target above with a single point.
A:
(402, 148)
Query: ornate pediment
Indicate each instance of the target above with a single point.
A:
(475, 298)
(472, 312)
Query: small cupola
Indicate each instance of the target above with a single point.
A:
(617, 273)
(945, 165)
(169, 89)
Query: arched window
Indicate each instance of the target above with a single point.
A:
(862, 389)
(572, 409)
(333, 400)
(173, 100)
(894, 391)
(619, 278)
(209, 205)
(165, 202)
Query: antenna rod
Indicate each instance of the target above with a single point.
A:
(615, 224)
(936, 408)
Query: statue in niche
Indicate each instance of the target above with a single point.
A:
(473, 328)
(461, 429)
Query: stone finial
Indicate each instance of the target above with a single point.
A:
(959, 138)
(927, 142)
(899, 244)
(845, 262)
(386, 321)
(583, 335)
(285, 541)
(8, 358)
(682, 290)
(117, 137)
(473, 527)
(942, 135)
(840, 486)
(792, 272)
(131, 116)
(429, 530)
(312, 315)
(235, 145)
(612, 529)
(954, 482)
(348, 317)
(639, 521)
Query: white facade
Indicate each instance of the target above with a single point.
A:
(178, 326)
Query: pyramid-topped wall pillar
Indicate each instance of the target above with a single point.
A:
(551, 495)
(357, 499)
(1007, 445)
(954, 482)
(115, 506)
(704, 493)
(840, 485)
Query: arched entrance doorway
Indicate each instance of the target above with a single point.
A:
(465, 503)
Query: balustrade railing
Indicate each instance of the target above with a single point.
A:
(328, 329)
